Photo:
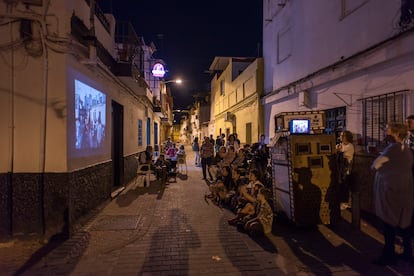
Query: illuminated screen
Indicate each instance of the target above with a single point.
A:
(299, 126)
(90, 117)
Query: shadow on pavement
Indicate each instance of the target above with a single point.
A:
(325, 249)
(126, 198)
(55, 241)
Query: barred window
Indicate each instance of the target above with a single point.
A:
(377, 112)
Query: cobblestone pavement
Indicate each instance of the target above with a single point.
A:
(172, 230)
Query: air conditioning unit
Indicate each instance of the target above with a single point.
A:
(228, 116)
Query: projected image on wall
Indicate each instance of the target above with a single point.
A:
(90, 116)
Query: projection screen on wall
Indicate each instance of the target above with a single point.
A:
(90, 117)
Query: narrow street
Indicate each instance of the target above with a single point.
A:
(172, 230)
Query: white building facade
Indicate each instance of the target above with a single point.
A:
(352, 59)
(76, 108)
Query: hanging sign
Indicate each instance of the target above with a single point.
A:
(158, 70)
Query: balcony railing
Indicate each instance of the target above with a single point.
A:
(100, 15)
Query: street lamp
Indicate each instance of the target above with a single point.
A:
(176, 81)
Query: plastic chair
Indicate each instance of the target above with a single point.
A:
(143, 169)
(182, 164)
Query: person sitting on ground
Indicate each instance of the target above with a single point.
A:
(262, 220)
(228, 157)
(240, 162)
(234, 196)
(218, 190)
(248, 194)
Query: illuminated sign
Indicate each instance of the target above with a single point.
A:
(158, 70)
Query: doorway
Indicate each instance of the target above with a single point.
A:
(249, 133)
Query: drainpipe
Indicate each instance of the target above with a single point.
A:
(10, 174)
(92, 46)
(46, 92)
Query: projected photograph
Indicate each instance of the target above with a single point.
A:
(90, 116)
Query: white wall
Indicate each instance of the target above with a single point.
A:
(326, 54)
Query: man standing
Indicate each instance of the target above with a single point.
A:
(206, 154)
(261, 155)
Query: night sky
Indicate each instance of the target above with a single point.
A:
(189, 34)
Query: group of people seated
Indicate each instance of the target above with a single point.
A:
(237, 185)
(166, 163)
(249, 200)
(231, 153)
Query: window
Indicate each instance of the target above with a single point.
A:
(155, 133)
(139, 133)
(222, 86)
(148, 131)
(377, 112)
(335, 120)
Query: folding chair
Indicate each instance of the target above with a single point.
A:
(143, 169)
(182, 164)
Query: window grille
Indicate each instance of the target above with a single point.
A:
(377, 112)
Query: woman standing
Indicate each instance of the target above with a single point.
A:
(393, 193)
(345, 153)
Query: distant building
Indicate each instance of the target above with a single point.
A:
(236, 88)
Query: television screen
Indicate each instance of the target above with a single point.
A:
(90, 116)
(299, 126)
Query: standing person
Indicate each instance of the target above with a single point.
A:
(218, 143)
(393, 193)
(410, 137)
(167, 144)
(231, 141)
(260, 156)
(345, 158)
(196, 149)
(212, 139)
(206, 154)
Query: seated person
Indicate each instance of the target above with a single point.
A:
(228, 157)
(235, 197)
(247, 198)
(181, 151)
(172, 157)
(146, 158)
(161, 166)
(261, 222)
(219, 190)
(240, 161)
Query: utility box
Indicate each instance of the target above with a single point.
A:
(304, 177)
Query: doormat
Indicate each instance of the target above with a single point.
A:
(106, 223)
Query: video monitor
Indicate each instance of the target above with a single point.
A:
(299, 126)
